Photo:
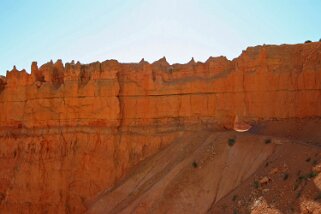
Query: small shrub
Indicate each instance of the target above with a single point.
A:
(231, 141)
(312, 174)
(301, 177)
(318, 197)
(308, 159)
(285, 176)
(320, 40)
(268, 141)
(308, 41)
(298, 194)
(194, 164)
(296, 185)
(298, 182)
(256, 184)
(234, 197)
(314, 162)
(235, 211)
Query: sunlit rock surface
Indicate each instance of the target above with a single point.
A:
(68, 132)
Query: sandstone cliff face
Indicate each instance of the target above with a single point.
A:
(257, 85)
(69, 131)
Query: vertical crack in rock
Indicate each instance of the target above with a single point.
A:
(119, 133)
(245, 112)
(120, 103)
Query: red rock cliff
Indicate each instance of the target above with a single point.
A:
(69, 131)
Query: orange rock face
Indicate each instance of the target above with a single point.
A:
(69, 131)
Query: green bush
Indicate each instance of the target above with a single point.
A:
(285, 176)
(231, 141)
(318, 197)
(302, 177)
(194, 164)
(308, 41)
(268, 141)
(256, 184)
(312, 174)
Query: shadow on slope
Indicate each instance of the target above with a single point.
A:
(189, 176)
(288, 182)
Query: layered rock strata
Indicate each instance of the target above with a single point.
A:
(69, 131)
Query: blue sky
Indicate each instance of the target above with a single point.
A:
(128, 30)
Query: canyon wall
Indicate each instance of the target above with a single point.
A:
(69, 131)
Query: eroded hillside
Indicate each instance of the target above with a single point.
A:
(221, 172)
(69, 132)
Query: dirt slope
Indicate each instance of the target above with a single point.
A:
(189, 176)
(202, 172)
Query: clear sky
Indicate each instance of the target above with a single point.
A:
(128, 30)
